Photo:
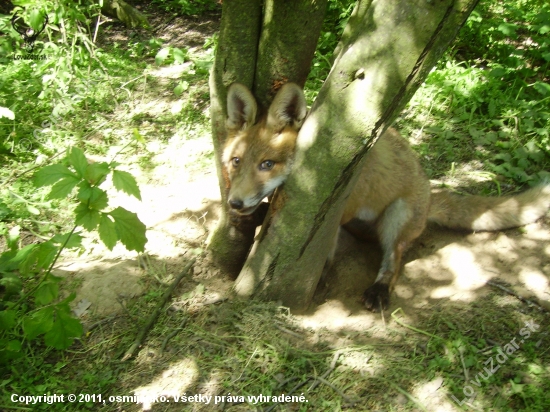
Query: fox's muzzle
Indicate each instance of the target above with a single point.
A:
(237, 206)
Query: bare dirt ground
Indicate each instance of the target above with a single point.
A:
(181, 205)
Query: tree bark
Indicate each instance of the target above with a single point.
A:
(261, 49)
(235, 60)
(290, 32)
(386, 52)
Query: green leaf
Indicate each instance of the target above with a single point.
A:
(130, 230)
(7, 319)
(126, 182)
(63, 188)
(84, 191)
(48, 175)
(497, 72)
(524, 163)
(181, 87)
(25, 259)
(96, 172)
(492, 108)
(5, 211)
(107, 231)
(137, 135)
(14, 346)
(13, 238)
(78, 161)
(95, 197)
(505, 157)
(508, 29)
(65, 329)
(180, 56)
(47, 292)
(38, 323)
(11, 283)
(542, 88)
(74, 241)
(162, 55)
(32, 210)
(86, 217)
(45, 254)
(36, 20)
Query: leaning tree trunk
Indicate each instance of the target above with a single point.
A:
(262, 48)
(385, 53)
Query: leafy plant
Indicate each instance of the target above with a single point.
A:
(27, 272)
(489, 97)
(59, 80)
(189, 7)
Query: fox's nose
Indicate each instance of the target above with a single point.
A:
(236, 204)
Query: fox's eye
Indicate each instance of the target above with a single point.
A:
(235, 161)
(267, 165)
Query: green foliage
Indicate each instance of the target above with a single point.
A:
(189, 7)
(30, 304)
(489, 98)
(90, 212)
(58, 82)
(336, 18)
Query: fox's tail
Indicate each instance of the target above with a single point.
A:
(478, 213)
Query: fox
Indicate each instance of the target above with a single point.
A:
(391, 200)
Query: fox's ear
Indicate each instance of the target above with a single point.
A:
(288, 108)
(241, 107)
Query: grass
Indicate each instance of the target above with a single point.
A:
(478, 117)
(246, 349)
(491, 103)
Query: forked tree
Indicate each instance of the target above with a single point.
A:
(385, 53)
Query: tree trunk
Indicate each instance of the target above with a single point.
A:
(263, 50)
(290, 32)
(235, 61)
(385, 53)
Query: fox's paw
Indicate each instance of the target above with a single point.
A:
(377, 297)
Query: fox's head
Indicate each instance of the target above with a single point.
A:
(258, 155)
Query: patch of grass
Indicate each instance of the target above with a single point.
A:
(239, 349)
(489, 98)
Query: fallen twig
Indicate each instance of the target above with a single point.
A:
(345, 397)
(328, 371)
(171, 335)
(290, 332)
(398, 321)
(89, 328)
(494, 283)
(153, 318)
(407, 394)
